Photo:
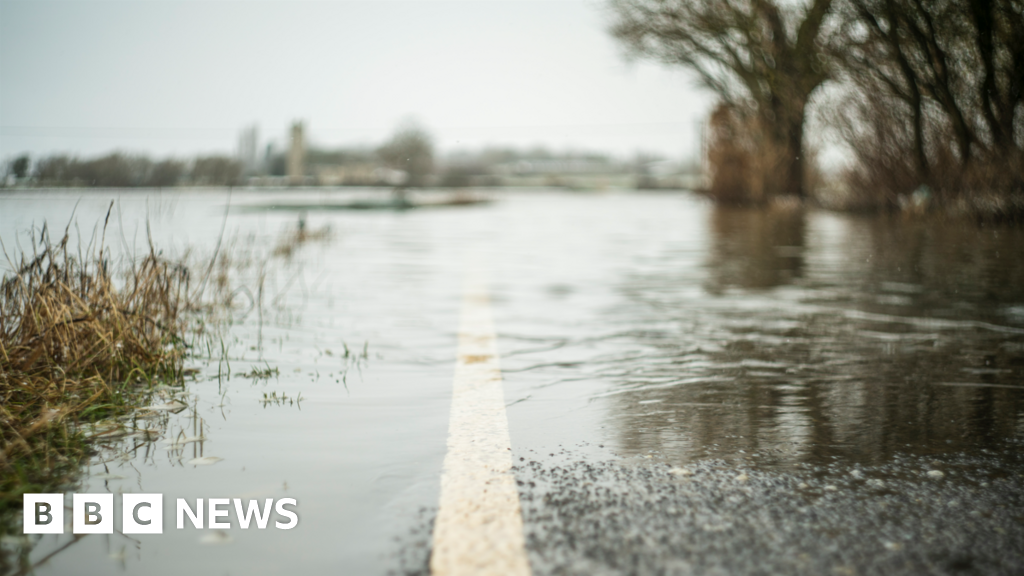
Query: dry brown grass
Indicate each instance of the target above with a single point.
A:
(80, 336)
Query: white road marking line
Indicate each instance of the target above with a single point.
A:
(479, 526)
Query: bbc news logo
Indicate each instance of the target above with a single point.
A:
(144, 513)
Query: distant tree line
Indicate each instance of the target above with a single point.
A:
(120, 170)
(406, 160)
(928, 95)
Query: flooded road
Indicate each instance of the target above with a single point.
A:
(810, 338)
(651, 331)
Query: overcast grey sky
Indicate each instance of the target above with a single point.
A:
(184, 77)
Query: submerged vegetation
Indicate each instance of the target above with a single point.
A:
(83, 340)
(290, 240)
(93, 344)
(273, 399)
(257, 373)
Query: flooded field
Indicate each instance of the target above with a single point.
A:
(630, 325)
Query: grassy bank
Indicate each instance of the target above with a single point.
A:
(83, 339)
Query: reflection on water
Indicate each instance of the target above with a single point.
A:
(753, 249)
(646, 322)
(874, 338)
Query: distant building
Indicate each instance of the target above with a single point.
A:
(248, 141)
(297, 155)
(581, 173)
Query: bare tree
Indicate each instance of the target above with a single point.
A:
(56, 170)
(19, 166)
(115, 170)
(166, 173)
(767, 56)
(411, 151)
(216, 171)
(952, 72)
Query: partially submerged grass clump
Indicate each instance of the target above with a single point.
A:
(265, 373)
(79, 342)
(293, 239)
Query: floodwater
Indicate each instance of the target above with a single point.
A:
(630, 325)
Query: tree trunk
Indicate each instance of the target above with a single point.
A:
(794, 169)
(782, 162)
(915, 101)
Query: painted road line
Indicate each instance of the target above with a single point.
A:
(479, 526)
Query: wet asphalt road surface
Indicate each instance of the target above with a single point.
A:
(956, 515)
